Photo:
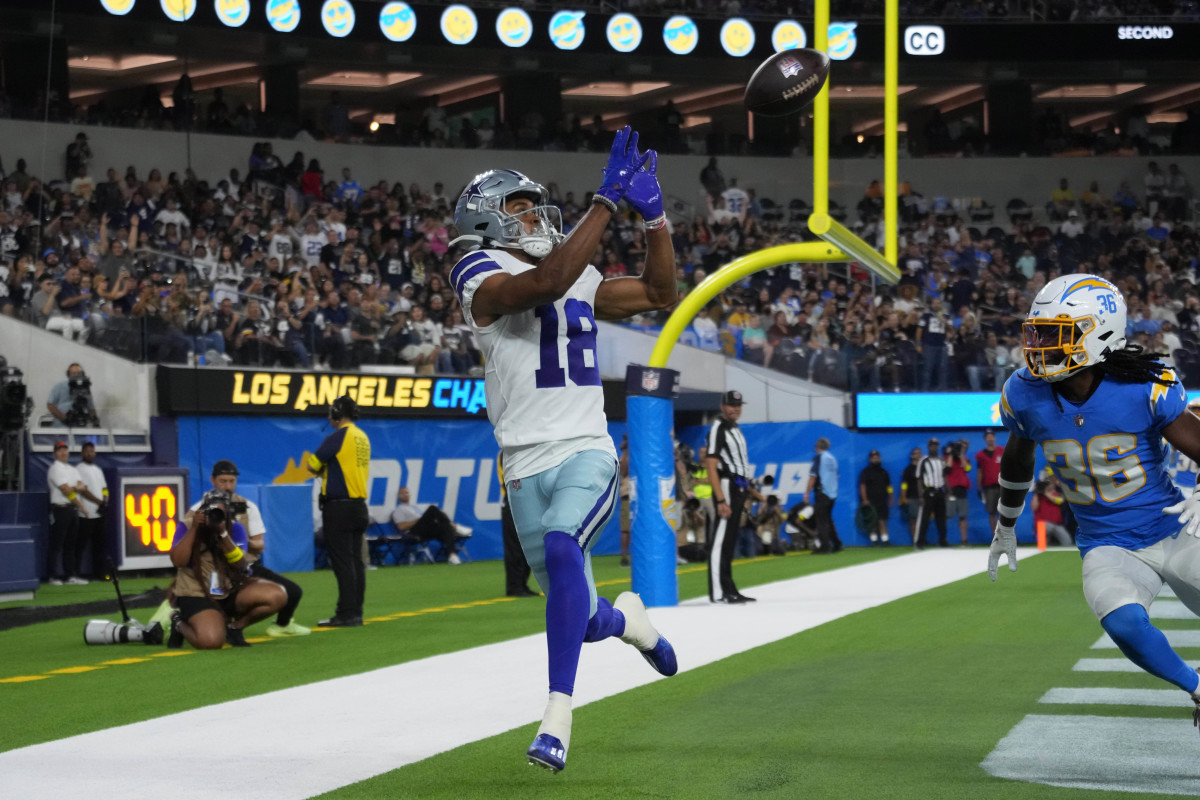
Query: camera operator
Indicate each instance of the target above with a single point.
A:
(225, 478)
(71, 401)
(958, 484)
(215, 596)
(768, 519)
(1048, 507)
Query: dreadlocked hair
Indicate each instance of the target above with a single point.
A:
(1134, 364)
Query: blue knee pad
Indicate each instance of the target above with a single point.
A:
(1145, 645)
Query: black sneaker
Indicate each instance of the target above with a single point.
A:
(340, 622)
(744, 599)
(234, 637)
(175, 639)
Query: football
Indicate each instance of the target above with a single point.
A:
(786, 82)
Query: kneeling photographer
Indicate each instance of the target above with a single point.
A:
(245, 512)
(215, 596)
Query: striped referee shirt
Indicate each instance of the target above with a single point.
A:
(728, 446)
(931, 471)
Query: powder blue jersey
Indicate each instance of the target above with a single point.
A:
(1108, 453)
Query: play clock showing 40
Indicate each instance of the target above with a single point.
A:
(151, 517)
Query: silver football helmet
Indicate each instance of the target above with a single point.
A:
(483, 219)
(1075, 321)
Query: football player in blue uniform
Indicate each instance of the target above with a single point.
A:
(1099, 409)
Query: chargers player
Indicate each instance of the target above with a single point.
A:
(1099, 409)
(533, 300)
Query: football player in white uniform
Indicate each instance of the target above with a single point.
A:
(1099, 409)
(533, 300)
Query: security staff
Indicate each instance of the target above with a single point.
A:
(702, 487)
(343, 461)
(931, 474)
(224, 478)
(728, 465)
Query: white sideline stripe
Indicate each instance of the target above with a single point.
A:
(1115, 665)
(315, 738)
(1166, 698)
(1124, 754)
(1189, 638)
(1170, 609)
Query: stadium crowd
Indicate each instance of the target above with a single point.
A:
(291, 265)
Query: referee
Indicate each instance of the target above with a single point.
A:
(931, 475)
(728, 466)
(342, 461)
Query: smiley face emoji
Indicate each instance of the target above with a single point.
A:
(567, 30)
(284, 15)
(788, 35)
(338, 17)
(178, 10)
(459, 25)
(679, 35)
(233, 13)
(398, 21)
(737, 37)
(514, 27)
(843, 41)
(624, 33)
(118, 7)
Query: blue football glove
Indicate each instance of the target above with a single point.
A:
(644, 193)
(623, 161)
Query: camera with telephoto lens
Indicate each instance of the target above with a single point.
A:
(101, 631)
(765, 480)
(80, 413)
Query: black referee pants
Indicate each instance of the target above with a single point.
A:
(933, 505)
(345, 523)
(721, 541)
(516, 568)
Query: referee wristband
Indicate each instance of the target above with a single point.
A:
(1016, 485)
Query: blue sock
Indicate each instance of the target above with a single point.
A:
(606, 622)
(1145, 645)
(567, 604)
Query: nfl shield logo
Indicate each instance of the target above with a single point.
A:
(650, 380)
(790, 67)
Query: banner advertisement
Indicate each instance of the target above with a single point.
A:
(448, 463)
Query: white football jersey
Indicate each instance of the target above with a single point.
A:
(542, 377)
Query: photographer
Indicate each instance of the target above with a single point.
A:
(215, 596)
(71, 402)
(768, 519)
(1047, 508)
(246, 513)
(958, 484)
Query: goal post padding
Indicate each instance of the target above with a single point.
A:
(650, 416)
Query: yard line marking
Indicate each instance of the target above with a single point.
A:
(1188, 638)
(1170, 609)
(1125, 754)
(1114, 665)
(1165, 698)
(315, 738)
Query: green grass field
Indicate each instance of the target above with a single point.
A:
(902, 701)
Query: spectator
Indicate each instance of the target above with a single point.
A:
(1062, 201)
(931, 344)
(427, 525)
(712, 180)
